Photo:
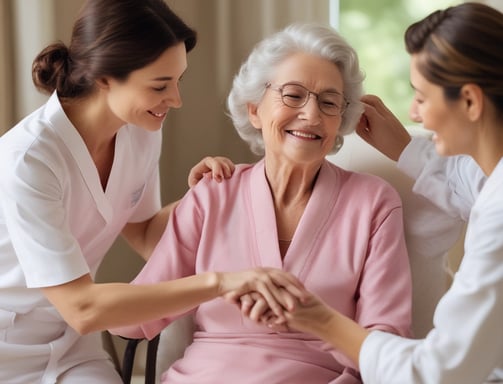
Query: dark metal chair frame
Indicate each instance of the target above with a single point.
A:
(129, 358)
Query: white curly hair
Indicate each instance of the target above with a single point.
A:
(249, 84)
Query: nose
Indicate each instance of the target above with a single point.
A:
(174, 98)
(414, 112)
(311, 110)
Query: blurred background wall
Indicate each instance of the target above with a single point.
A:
(227, 30)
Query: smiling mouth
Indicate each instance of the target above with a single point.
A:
(158, 115)
(304, 135)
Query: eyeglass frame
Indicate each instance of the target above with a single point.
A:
(279, 89)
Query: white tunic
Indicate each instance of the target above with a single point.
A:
(56, 224)
(466, 343)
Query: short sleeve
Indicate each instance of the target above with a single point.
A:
(37, 223)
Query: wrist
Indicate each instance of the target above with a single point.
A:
(214, 283)
(401, 147)
(327, 324)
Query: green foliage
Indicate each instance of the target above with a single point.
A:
(375, 28)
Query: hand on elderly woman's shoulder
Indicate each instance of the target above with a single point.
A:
(218, 168)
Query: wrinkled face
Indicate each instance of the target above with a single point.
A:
(305, 134)
(451, 133)
(148, 93)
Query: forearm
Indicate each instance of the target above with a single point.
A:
(315, 317)
(90, 307)
(381, 129)
(343, 334)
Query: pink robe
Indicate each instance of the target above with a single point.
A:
(348, 248)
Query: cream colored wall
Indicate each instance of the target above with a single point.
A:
(498, 4)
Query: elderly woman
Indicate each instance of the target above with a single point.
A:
(339, 232)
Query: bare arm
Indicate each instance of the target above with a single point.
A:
(89, 307)
(144, 236)
(317, 318)
(310, 315)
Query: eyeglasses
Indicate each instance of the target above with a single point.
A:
(331, 103)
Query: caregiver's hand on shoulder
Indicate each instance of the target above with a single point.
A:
(217, 167)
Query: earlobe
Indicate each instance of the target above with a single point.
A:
(473, 98)
(253, 115)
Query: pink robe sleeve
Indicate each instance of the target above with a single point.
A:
(384, 295)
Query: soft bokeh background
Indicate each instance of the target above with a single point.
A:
(375, 29)
(227, 29)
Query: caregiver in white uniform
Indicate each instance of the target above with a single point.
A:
(78, 172)
(457, 76)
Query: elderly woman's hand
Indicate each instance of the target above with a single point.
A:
(309, 315)
(262, 289)
(254, 306)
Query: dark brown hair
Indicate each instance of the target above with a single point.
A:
(110, 38)
(461, 45)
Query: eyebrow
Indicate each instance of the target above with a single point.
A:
(332, 90)
(163, 78)
(167, 78)
(329, 90)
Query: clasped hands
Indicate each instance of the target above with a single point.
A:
(254, 306)
(278, 300)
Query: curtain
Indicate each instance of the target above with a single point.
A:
(6, 85)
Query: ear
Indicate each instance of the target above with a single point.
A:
(103, 83)
(473, 100)
(253, 115)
